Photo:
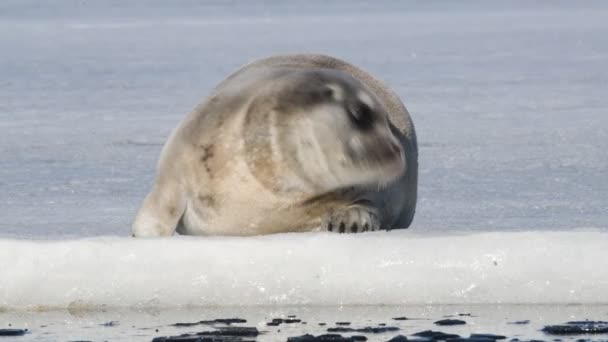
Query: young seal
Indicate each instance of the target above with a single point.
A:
(287, 143)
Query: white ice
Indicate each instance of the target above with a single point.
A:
(314, 269)
(509, 101)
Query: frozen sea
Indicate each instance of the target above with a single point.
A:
(510, 105)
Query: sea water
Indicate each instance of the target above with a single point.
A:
(509, 105)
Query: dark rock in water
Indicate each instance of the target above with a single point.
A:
(444, 322)
(13, 332)
(398, 338)
(181, 338)
(222, 334)
(489, 336)
(587, 322)
(436, 335)
(340, 329)
(366, 330)
(215, 321)
(578, 328)
(521, 322)
(342, 323)
(471, 339)
(400, 319)
(180, 324)
(230, 320)
(278, 321)
(232, 331)
(326, 338)
(194, 338)
(110, 324)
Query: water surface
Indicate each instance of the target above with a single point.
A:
(508, 101)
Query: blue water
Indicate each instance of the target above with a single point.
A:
(508, 100)
(78, 325)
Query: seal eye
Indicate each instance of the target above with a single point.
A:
(327, 93)
(361, 115)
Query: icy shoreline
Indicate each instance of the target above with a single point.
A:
(386, 268)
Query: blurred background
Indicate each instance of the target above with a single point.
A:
(509, 100)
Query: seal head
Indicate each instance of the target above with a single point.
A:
(326, 128)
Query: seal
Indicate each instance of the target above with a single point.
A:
(288, 143)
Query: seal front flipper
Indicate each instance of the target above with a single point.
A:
(160, 213)
(355, 218)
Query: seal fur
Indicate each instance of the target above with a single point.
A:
(287, 143)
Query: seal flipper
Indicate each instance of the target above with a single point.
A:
(355, 218)
(160, 213)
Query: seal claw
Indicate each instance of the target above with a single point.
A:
(357, 218)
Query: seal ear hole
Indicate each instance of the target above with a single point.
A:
(361, 115)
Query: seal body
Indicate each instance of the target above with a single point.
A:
(287, 143)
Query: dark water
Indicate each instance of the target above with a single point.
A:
(523, 322)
